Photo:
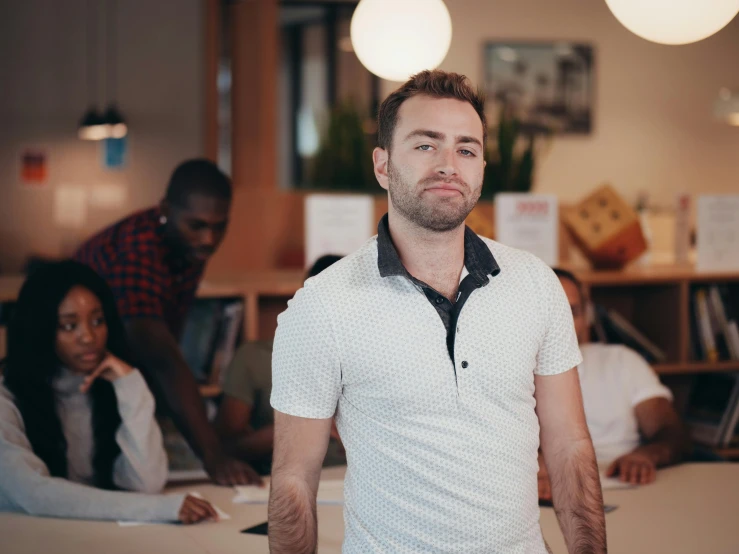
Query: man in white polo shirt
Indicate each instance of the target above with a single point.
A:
(633, 424)
(442, 354)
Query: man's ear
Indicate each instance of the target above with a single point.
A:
(380, 159)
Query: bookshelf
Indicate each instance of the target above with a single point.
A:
(657, 300)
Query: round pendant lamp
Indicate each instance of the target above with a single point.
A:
(396, 38)
(674, 21)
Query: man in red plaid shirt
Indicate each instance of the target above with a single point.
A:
(153, 261)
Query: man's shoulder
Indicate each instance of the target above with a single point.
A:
(521, 270)
(352, 270)
(137, 228)
(511, 255)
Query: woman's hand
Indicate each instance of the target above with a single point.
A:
(110, 369)
(195, 510)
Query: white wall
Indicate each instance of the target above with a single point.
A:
(43, 94)
(653, 126)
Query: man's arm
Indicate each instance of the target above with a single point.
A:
(300, 446)
(665, 442)
(570, 459)
(157, 351)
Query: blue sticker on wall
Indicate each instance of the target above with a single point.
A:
(115, 151)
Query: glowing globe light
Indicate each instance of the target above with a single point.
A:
(396, 38)
(674, 21)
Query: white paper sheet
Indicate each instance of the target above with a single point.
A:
(529, 222)
(221, 514)
(718, 232)
(336, 224)
(613, 483)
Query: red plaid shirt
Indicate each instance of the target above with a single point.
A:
(147, 280)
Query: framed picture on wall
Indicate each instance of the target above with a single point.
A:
(547, 86)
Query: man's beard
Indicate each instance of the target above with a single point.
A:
(441, 215)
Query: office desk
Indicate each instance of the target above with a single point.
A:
(691, 509)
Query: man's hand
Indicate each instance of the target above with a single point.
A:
(635, 468)
(230, 472)
(110, 369)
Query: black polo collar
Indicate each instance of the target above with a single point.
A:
(478, 259)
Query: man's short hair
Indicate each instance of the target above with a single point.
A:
(437, 84)
(568, 275)
(197, 176)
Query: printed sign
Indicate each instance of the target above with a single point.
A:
(529, 222)
(718, 232)
(337, 224)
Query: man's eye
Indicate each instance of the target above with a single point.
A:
(468, 153)
(425, 147)
(197, 225)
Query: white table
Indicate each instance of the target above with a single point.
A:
(691, 509)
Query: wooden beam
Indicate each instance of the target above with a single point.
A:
(212, 55)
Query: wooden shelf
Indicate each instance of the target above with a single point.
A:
(655, 275)
(695, 367)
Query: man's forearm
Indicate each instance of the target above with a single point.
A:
(578, 500)
(177, 387)
(253, 446)
(292, 517)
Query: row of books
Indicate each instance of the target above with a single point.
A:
(715, 329)
(712, 415)
(611, 327)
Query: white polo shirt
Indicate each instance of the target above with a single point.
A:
(442, 455)
(614, 379)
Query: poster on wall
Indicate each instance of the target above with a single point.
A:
(114, 153)
(529, 222)
(718, 233)
(337, 224)
(546, 86)
(34, 167)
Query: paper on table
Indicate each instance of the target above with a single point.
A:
(612, 483)
(330, 492)
(221, 514)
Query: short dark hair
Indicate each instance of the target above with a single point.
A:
(322, 263)
(568, 275)
(197, 176)
(435, 83)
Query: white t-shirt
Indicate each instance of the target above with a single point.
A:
(441, 455)
(614, 379)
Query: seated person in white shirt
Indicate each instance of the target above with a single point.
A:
(632, 422)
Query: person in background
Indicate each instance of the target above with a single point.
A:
(245, 420)
(633, 424)
(76, 419)
(153, 262)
